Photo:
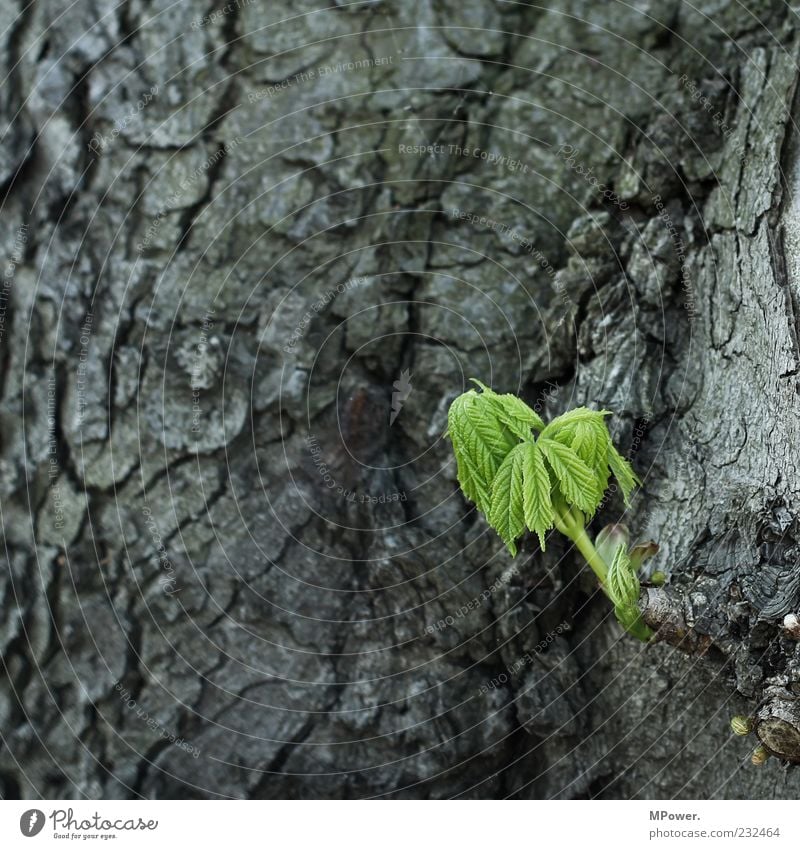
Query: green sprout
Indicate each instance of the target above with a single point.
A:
(522, 473)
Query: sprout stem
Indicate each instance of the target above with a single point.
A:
(571, 523)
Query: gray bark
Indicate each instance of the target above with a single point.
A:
(179, 197)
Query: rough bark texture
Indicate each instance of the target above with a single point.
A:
(174, 373)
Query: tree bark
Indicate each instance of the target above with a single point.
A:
(237, 560)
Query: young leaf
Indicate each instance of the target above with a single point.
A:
(623, 589)
(516, 415)
(622, 583)
(590, 442)
(577, 482)
(470, 474)
(512, 411)
(506, 512)
(623, 472)
(537, 504)
(579, 414)
(480, 444)
(586, 432)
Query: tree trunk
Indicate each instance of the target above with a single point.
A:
(251, 257)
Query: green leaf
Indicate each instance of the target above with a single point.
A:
(516, 415)
(586, 432)
(480, 444)
(589, 438)
(537, 504)
(470, 475)
(577, 482)
(506, 512)
(591, 443)
(579, 414)
(623, 472)
(622, 583)
(512, 411)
